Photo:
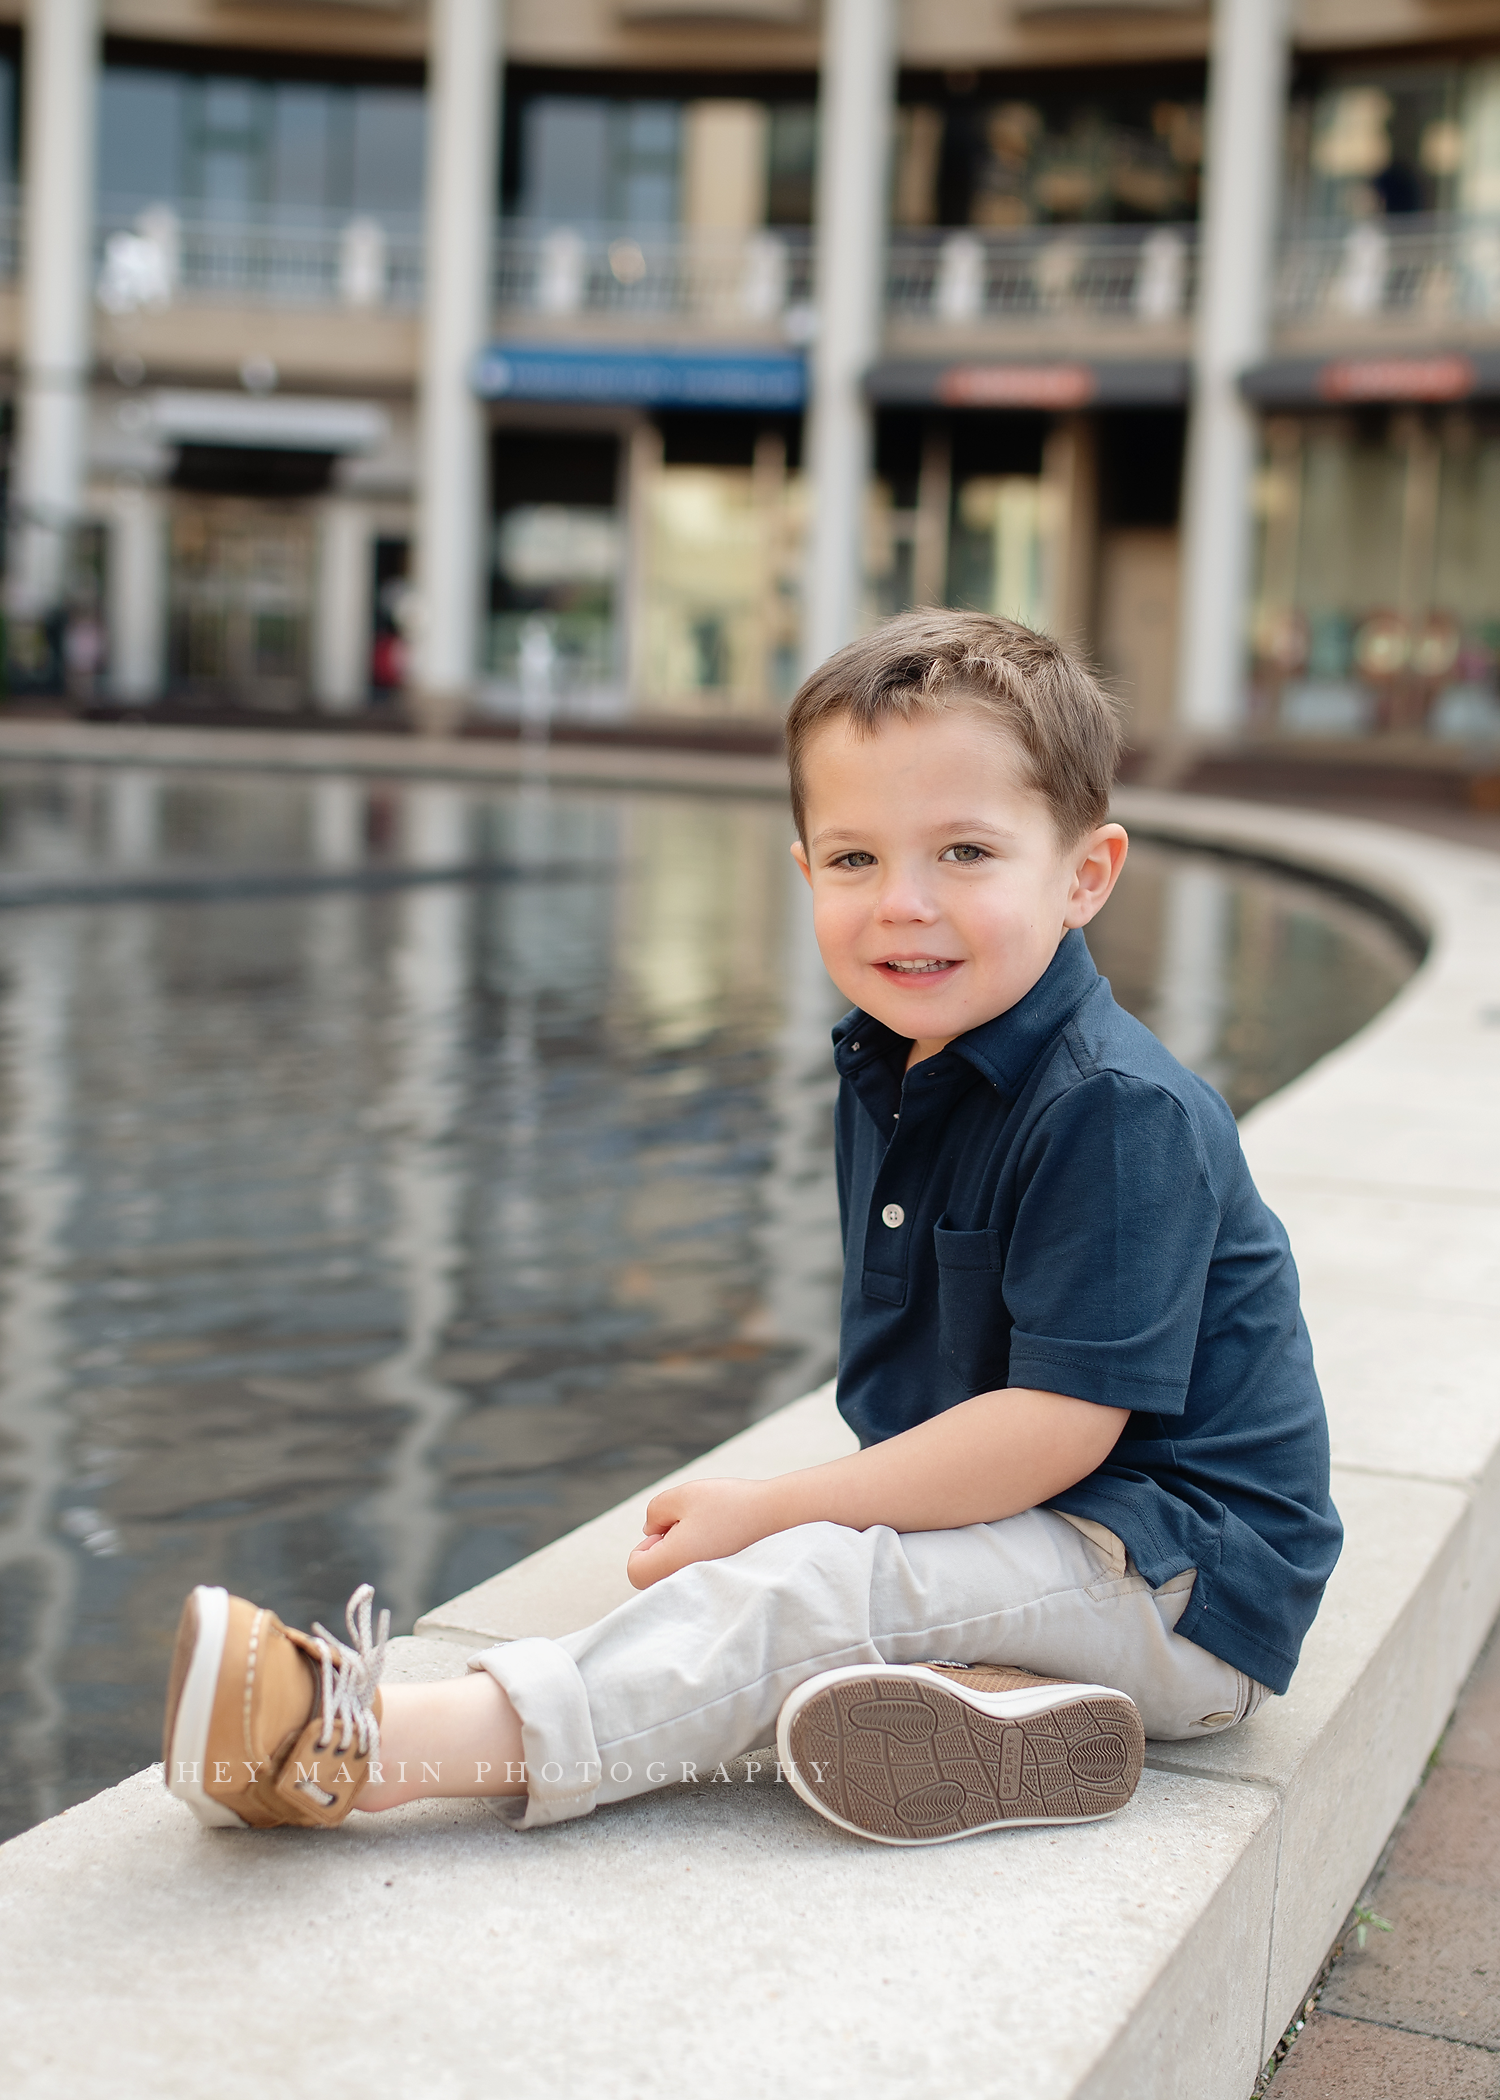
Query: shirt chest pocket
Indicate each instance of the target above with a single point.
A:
(973, 1323)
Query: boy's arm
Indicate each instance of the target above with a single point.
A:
(987, 1458)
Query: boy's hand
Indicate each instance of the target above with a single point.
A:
(701, 1520)
(983, 1460)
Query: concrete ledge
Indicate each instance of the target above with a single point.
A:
(717, 1938)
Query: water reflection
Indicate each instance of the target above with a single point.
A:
(392, 1230)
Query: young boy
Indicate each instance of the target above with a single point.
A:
(1094, 1463)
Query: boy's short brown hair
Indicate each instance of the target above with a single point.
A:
(1065, 724)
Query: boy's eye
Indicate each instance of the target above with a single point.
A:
(966, 856)
(858, 859)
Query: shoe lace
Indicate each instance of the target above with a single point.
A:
(350, 1675)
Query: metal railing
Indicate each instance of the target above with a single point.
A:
(1035, 275)
(1385, 272)
(1422, 269)
(159, 256)
(763, 277)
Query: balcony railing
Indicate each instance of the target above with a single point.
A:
(1418, 269)
(763, 278)
(1379, 274)
(1039, 275)
(160, 256)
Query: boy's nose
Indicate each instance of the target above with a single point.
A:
(903, 899)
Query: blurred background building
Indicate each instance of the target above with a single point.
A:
(473, 361)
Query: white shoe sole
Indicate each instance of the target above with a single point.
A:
(188, 1749)
(904, 1756)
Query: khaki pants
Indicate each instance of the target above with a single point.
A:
(695, 1669)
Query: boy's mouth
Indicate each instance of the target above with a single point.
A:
(917, 965)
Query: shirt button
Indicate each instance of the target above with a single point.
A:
(893, 1215)
(854, 1046)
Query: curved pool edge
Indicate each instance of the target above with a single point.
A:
(134, 1945)
(381, 754)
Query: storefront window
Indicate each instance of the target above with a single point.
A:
(557, 567)
(721, 603)
(1378, 593)
(998, 553)
(553, 644)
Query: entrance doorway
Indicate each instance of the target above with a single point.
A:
(240, 603)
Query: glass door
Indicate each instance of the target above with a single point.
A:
(240, 598)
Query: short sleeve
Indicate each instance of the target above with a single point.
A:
(1115, 1227)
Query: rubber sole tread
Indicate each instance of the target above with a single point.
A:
(914, 1762)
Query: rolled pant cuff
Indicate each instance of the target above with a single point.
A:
(563, 1771)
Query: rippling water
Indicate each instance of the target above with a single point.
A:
(391, 1178)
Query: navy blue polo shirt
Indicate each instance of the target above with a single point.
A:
(1054, 1201)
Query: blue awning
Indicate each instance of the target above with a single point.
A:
(641, 375)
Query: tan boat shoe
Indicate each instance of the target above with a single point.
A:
(914, 1754)
(266, 1725)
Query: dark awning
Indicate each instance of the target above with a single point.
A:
(641, 375)
(1374, 376)
(1047, 383)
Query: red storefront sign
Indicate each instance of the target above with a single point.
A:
(1017, 386)
(1442, 378)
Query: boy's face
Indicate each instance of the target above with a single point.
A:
(940, 887)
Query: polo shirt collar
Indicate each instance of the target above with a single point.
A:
(1005, 1049)
(1002, 1050)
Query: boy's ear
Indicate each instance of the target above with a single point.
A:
(799, 855)
(1096, 870)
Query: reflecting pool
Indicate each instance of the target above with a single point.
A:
(392, 1177)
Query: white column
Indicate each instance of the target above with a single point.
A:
(136, 584)
(61, 65)
(343, 621)
(463, 122)
(854, 112)
(1246, 99)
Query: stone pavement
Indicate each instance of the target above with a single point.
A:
(1417, 2011)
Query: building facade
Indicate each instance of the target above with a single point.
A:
(609, 359)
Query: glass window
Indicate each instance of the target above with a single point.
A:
(240, 147)
(302, 146)
(720, 609)
(558, 547)
(140, 135)
(590, 162)
(1133, 155)
(647, 148)
(997, 553)
(8, 166)
(564, 160)
(793, 154)
(1378, 602)
(389, 149)
(1383, 140)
